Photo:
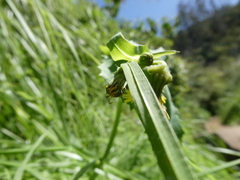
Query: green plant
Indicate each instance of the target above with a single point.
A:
(146, 92)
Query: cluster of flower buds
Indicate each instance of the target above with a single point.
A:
(157, 74)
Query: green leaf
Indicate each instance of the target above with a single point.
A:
(108, 68)
(173, 113)
(105, 50)
(162, 52)
(122, 49)
(165, 144)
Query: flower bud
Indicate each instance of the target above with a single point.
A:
(158, 76)
(145, 59)
(118, 85)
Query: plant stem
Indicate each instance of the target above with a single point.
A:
(112, 137)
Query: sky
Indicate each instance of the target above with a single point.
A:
(135, 10)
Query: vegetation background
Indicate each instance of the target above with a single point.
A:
(55, 119)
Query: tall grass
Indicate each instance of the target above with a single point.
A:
(55, 120)
(50, 85)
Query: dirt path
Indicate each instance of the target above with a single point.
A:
(229, 134)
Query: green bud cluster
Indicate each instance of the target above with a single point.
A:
(158, 76)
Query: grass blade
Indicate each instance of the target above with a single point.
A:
(26, 149)
(84, 170)
(19, 173)
(219, 168)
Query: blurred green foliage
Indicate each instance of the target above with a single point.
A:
(210, 43)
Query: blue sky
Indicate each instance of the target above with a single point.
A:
(135, 10)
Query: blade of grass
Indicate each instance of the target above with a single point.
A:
(36, 41)
(6, 174)
(9, 163)
(26, 149)
(69, 155)
(38, 175)
(12, 135)
(84, 170)
(219, 168)
(22, 21)
(164, 142)
(122, 174)
(224, 151)
(49, 133)
(19, 173)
